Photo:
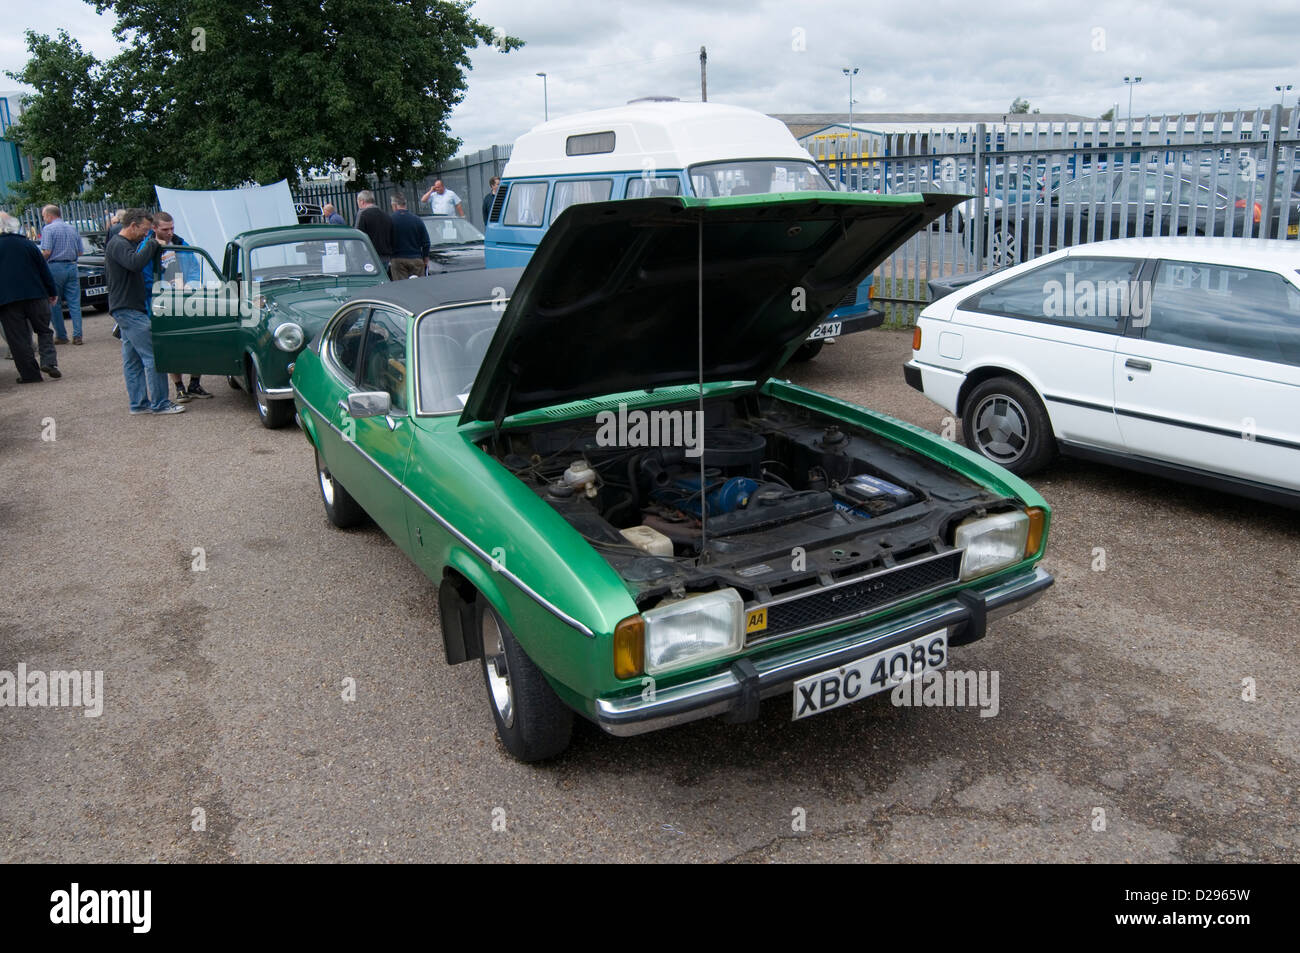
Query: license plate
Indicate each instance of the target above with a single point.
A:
(875, 673)
(96, 292)
(1293, 231)
(831, 329)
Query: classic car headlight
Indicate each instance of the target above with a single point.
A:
(289, 337)
(991, 543)
(693, 630)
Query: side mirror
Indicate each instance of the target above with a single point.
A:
(376, 403)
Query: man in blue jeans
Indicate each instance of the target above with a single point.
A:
(127, 296)
(61, 246)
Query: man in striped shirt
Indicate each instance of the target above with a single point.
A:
(61, 246)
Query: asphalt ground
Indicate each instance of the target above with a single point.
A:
(1122, 733)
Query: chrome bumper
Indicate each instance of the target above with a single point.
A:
(737, 691)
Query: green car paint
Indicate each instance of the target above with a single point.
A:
(195, 332)
(467, 521)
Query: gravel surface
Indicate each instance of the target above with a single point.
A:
(1121, 692)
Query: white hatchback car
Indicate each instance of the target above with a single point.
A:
(1174, 356)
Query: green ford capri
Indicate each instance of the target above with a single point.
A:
(248, 319)
(627, 515)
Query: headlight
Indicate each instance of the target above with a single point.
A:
(289, 337)
(991, 543)
(694, 630)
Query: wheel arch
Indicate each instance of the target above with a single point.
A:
(987, 373)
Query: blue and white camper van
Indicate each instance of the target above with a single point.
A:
(656, 147)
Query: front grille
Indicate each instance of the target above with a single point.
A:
(859, 598)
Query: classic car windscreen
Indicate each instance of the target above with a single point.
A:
(756, 177)
(326, 257)
(450, 346)
(451, 231)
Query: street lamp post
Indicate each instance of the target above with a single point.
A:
(546, 106)
(1283, 90)
(1130, 82)
(850, 73)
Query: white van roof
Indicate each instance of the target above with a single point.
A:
(670, 135)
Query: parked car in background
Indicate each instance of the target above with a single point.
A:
(454, 244)
(642, 582)
(1173, 356)
(249, 318)
(1119, 203)
(92, 274)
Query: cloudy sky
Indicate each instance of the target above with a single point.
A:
(781, 56)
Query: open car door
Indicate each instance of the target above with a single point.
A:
(197, 318)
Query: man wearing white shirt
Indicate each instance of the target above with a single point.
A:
(443, 201)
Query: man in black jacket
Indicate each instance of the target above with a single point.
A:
(26, 292)
(376, 223)
(145, 386)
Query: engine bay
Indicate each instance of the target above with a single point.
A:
(755, 493)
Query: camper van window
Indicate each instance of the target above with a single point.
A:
(593, 143)
(575, 193)
(757, 177)
(643, 186)
(527, 204)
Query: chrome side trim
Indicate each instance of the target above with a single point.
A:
(445, 524)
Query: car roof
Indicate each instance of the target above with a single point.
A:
(417, 295)
(274, 233)
(1276, 254)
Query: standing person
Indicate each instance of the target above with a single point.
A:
(443, 201)
(165, 266)
(145, 386)
(331, 216)
(410, 242)
(376, 223)
(115, 222)
(61, 246)
(26, 291)
(494, 183)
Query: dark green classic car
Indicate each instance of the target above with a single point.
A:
(249, 318)
(627, 515)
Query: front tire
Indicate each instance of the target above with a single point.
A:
(340, 508)
(274, 414)
(1004, 421)
(532, 723)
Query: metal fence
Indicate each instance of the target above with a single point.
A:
(1034, 188)
(466, 175)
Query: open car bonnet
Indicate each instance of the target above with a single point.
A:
(611, 299)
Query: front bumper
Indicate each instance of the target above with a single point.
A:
(737, 691)
(852, 319)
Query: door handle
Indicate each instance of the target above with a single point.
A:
(1138, 365)
(343, 406)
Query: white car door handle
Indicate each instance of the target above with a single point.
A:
(1138, 365)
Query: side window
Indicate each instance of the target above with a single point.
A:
(344, 347)
(384, 358)
(576, 192)
(1226, 309)
(526, 203)
(1093, 293)
(644, 186)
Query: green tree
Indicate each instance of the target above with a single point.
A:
(211, 94)
(1108, 115)
(1019, 106)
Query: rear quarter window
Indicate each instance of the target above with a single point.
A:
(1093, 293)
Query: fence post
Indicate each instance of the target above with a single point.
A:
(1270, 160)
(979, 197)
